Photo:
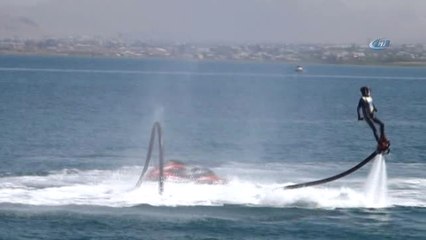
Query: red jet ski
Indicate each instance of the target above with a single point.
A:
(179, 172)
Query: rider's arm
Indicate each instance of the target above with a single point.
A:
(360, 105)
(374, 108)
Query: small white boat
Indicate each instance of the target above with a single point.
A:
(299, 69)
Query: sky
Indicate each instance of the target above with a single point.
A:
(213, 21)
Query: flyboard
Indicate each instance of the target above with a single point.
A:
(382, 148)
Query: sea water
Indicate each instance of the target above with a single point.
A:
(74, 135)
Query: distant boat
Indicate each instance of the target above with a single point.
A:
(299, 69)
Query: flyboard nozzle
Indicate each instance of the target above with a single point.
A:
(383, 147)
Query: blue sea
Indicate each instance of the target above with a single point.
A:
(74, 136)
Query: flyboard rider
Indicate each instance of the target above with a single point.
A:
(368, 109)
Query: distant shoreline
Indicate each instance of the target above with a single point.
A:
(298, 54)
(389, 64)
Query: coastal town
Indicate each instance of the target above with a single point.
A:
(397, 54)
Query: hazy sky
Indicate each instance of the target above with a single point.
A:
(286, 21)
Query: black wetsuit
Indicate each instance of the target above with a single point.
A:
(368, 109)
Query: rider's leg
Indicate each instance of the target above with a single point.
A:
(371, 124)
(382, 126)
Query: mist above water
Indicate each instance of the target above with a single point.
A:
(376, 189)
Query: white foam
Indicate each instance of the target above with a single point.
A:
(115, 188)
(376, 189)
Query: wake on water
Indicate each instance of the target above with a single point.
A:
(115, 188)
